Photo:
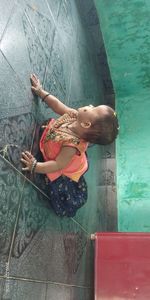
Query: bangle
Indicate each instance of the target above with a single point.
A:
(43, 99)
(34, 163)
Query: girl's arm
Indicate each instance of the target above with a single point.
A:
(63, 159)
(55, 104)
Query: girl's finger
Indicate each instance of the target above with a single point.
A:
(25, 169)
(25, 156)
(28, 154)
(35, 76)
(24, 161)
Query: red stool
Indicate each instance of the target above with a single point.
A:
(122, 266)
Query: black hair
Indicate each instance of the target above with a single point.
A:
(104, 130)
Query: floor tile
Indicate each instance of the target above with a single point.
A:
(38, 57)
(54, 6)
(48, 247)
(24, 290)
(13, 99)
(44, 28)
(111, 199)
(37, 5)
(68, 293)
(6, 10)
(11, 186)
(1, 287)
(64, 21)
(16, 136)
(20, 63)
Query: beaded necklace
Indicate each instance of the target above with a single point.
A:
(57, 133)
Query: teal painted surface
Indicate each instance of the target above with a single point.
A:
(125, 28)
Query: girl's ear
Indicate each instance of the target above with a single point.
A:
(86, 124)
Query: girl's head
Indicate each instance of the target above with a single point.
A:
(99, 124)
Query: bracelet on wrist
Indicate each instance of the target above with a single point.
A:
(34, 163)
(43, 99)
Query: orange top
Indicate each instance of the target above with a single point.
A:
(54, 137)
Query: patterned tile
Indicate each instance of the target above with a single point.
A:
(83, 67)
(6, 10)
(109, 151)
(13, 99)
(64, 21)
(43, 27)
(24, 290)
(110, 171)
(37, 5)
(54, 6)
(111, 199)
(57, 79)
(15, 136)
(10, 190)
(47, 247)
(1, 287)
(38, 57)
(20, 63)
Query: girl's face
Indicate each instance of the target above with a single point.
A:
(90, 113)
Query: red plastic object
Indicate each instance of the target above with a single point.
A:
(122, 266)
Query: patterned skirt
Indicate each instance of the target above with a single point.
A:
(67, 196)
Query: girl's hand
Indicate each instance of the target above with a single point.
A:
(27, 159)
(36, 86)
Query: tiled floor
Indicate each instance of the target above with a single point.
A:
(43, 256)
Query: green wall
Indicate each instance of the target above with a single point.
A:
(125, 28)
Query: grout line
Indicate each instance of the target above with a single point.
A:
(81, 226)
(45, 281)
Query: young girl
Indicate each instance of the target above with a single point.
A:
(63, 145)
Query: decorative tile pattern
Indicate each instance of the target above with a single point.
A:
(18, 58)
(16, 136)
(43, 28)
(37, 55)
(37, 5)
(47, 247)
(54, 6)
(10, 191)
(13, 99)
